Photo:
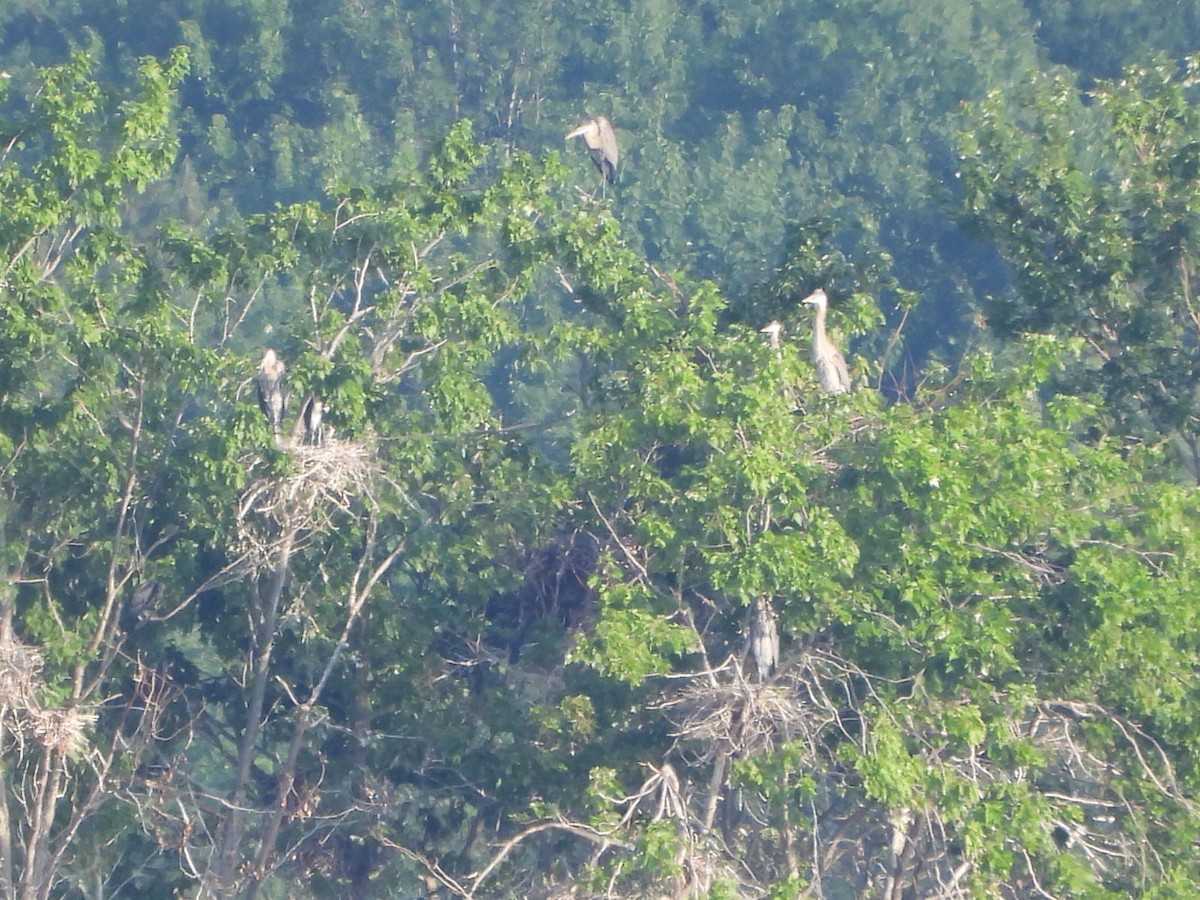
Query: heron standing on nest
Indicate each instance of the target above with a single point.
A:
(269, 382)
(601, 141)
(832, 372)
(764, 638)
(311, 415)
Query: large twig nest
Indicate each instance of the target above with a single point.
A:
(20, 667)
(330, 478)
(61, 731)
(729, 714)
(735, 716)
(331, 475)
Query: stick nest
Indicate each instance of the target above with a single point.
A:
(731, 715)
(61, 731)
(327, 479)
(20, 670)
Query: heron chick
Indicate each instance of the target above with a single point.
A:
(774, 331)
(311, 415)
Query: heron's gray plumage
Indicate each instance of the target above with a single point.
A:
(138, 607)
(832, 372)
(601, 140)
(269, 382)
(764, 638)
(313, 412)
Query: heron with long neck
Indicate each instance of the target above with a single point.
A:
(311, 415)
(832, 372)
(774, 333)
(601, 141)
(269, 382)
(764, 638)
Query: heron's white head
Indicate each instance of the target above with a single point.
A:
(817, 298)
(773, 329)
(271, 364)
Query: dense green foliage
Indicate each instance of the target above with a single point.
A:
(502, 625)
(738, 122)
(1097, 209)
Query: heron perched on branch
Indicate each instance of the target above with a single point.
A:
(764, 638)
(139, 606)
(832, 372)
(601, 141)
(269, 382)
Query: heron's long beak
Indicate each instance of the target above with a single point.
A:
(582, 129)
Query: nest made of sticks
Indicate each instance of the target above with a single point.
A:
(728, 713)
(329, 478)
(20, 674)
(63, 731)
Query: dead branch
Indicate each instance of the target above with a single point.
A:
(575, 828)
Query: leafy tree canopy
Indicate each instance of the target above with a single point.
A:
(580, 587)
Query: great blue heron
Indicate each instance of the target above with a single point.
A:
(598, 134)
(137, 608)
(773, 331)
(831, 365)
(313, 412)
(269, 382)
(764, 638)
